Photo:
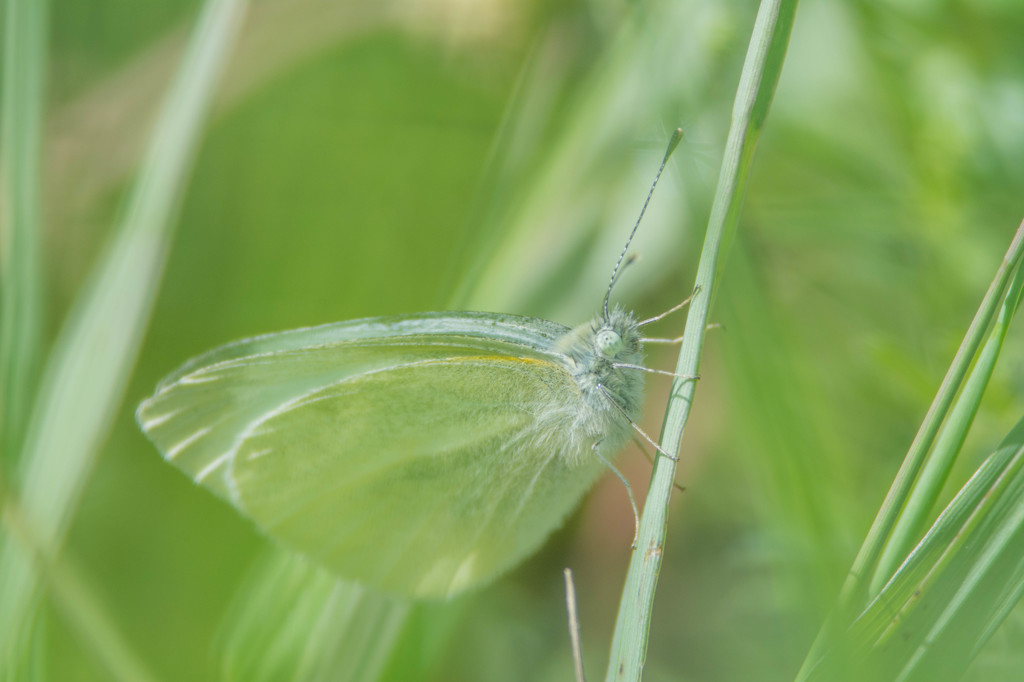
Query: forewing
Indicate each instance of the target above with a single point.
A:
(199, 412)
(426, 478)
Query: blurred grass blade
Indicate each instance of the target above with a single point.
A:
(24, 67)
(562, 202)
(295, 621)
(291, 620)
(85, 376)
(855, 588)
(912, 521)
(758, 80)
(959, 583)
(76, 601)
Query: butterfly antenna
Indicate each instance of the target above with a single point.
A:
(672, 144)
(632, 258)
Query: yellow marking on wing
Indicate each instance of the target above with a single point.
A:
(505, 358)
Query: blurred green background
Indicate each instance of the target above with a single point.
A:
(371, 158)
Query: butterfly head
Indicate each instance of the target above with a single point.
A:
(616, 337)
(598, 348)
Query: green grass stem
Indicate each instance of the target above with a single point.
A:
(24, 68)
(86, 374)
(913, 520)
(951, 593)
(76, 600)
(855, 590)
(758, 80)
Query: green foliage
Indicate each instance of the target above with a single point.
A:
(381, 158)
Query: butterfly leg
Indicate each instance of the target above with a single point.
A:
(636, 428)
(629, 490)
(641, 368)
(679, 339)
(650, 460)
(678, 306)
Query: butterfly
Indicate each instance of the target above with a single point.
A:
(420, 454)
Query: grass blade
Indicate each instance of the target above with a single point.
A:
(77, 602)
(954, 432)
(85, 376)
(24, 67)
(944, 602)
(855, 587)
(296, 621)
(753, 97)
(293, 620)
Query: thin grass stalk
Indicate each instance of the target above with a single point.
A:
(24, 69)
(994, 549)
(951, 591)
(21, 112)
(77, 601)
(86, 374)
(758, 80)
(855, 588)
(913, 520)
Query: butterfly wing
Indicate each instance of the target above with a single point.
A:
(423, 455)
(198, 412)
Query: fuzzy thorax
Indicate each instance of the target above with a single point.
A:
(593, 350)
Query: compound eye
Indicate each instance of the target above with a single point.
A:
(609, 343)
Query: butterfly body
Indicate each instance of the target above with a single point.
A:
(422, 454)
(610, 392)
